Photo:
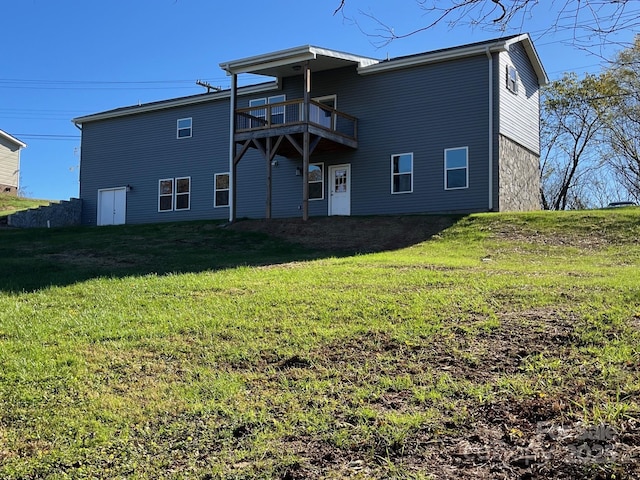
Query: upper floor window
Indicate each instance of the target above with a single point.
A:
(512, 79)
(456, 168)
(316, 181)
(259, 115)
(402, 173)
(221, 190)
(174, 194)
(184, 128)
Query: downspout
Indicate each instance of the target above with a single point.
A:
(490, 57)
(232, 148)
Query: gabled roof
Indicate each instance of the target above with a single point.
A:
(12, 139)
(469, 50)
(286, 63)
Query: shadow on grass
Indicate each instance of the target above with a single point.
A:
(34, 259)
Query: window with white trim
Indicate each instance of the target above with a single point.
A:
(174, 194)
(456, 168)
(165, 195)
(316, 181)
(402, 173)
(512, 79)
(259, 115)
(184, 128)
(221, 190)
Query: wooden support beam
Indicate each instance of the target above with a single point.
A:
(267, 156)
(274, 151)
(314, 143)
(260, 146)
(243, 150)
(305, 143)
(295, 144)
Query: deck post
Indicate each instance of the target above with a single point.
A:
(305, 143)
(269, 182)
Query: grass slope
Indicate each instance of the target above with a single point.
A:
(10, 204)
(506, 346)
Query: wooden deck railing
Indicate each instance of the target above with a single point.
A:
(291, 112)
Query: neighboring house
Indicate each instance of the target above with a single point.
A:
(10, 163)
(453, 130)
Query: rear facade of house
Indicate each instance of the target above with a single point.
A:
(452, 131)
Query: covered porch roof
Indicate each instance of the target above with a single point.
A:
(286, 63)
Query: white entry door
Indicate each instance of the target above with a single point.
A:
(112, 206)
(340, 189)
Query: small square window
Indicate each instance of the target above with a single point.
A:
(184, 128)
(402, 173)
(512, 79)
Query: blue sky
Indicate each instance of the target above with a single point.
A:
(69, 58)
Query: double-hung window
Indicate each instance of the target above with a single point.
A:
(316, 181)
(221, 190)
(456, 168)
(259, 115)
(174, 194)
(184, 128)
(402, 173)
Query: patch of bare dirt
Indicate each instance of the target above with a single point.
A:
(514, 437)
(353, 234)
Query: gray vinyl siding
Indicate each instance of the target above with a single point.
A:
(9, 163)
(421, 110)
(519, 114)
(139, 150)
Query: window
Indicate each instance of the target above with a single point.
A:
(183, 193)
(512, 79)
(221, 190)
(165, 201)
(174, 194)
(316, 181)
(277, 113)
(456, 168)
(259, 115)
(402, 173)
(184, 128)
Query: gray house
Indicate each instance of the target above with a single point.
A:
(329, 133)
(10, 163)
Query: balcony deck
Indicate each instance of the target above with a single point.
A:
(335, 131)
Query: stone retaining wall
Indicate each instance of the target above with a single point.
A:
(63, 214)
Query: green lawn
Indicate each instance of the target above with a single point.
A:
(507, 345)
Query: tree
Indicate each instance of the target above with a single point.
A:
(591, 22)
(574, 113)
(623, 124)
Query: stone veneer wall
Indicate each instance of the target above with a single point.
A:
(518, 177)
(64, 214)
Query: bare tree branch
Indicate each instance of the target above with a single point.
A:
(591, 22)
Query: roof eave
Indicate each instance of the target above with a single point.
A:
(12, 139)
(543, 79)
(179, 102)
(432, 58)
